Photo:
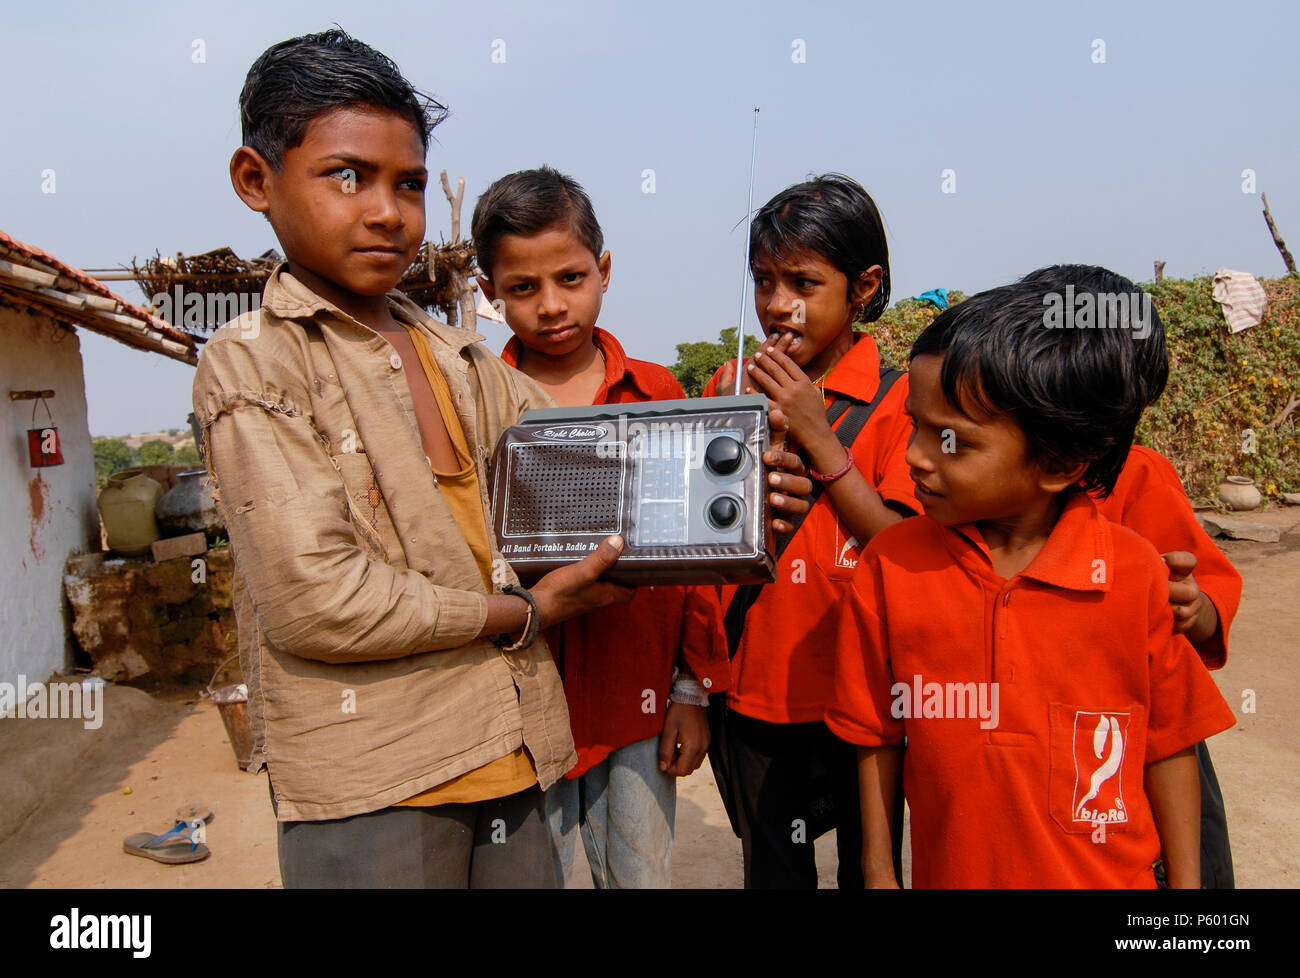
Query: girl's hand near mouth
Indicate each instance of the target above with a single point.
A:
(800, 402)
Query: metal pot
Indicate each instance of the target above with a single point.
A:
(188, 507)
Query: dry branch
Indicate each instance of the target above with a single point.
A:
(461, 292)
(1292, 403)
(1277, 238)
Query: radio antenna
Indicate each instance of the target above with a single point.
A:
(744, 272)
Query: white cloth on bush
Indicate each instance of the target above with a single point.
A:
(1242, 297)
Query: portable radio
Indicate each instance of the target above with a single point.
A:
(681, 481)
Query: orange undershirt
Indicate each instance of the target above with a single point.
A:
(515, 771)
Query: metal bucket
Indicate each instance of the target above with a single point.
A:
(232, 703)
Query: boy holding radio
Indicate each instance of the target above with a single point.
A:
(407, 717)
(637, 680)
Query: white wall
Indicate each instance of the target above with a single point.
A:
(46, 514)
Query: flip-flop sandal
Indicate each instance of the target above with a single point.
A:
(188, 813)
(172, 847)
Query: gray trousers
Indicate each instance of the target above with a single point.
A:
(503, 843)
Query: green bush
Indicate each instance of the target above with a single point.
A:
(697, 362)
(111, 455)
(156, 452)
(1225, 391)
(187, 455)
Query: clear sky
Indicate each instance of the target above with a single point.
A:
(1057, 156)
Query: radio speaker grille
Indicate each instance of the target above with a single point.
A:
(563, 489)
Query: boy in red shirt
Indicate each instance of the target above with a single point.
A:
(638, 680)
(1148, 498)
(1022, 642)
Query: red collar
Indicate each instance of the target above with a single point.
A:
(1078, 554)
(858, 372)
(618, 366)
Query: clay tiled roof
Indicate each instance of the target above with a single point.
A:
(33, 278)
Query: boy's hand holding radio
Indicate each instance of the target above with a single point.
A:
(563, 593)
(577, 588)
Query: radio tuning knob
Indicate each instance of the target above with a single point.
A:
(724, 511)
(724, 455)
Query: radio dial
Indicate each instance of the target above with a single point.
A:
(724, 512)
(724, 456)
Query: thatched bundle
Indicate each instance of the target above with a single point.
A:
(434, 284)
(217, 273)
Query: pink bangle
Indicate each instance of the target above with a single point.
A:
(834, 475)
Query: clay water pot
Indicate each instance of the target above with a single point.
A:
(126, 505)
(188, 506)
(1239, 492)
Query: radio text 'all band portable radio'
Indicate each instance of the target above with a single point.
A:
(681, 481)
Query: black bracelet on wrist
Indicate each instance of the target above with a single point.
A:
(531, 627)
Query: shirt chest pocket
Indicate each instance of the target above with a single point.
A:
(837, 549)
(1096, 766)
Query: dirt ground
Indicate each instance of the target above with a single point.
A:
(73, 794)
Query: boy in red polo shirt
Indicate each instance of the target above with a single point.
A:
(1149, 498)
(1020, 641)
(637, 681)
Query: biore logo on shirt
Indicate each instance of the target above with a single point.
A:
(1099, 743)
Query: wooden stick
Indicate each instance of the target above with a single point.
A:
(100, 302)
(455, 203)
(468, 316)
(1291, 405)
(139, 337)
(61, 281)
(72, 299)
(1216, 400)
(28, 274)
(459, 283)
(178, 276)
(1277, 238)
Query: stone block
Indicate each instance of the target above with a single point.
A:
(1236, 528)
(169, 548)
(135, 617)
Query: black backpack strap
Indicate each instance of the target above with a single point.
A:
(856, 414)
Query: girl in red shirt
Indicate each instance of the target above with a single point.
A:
(820, 262)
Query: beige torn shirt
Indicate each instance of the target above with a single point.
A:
(357, 597)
